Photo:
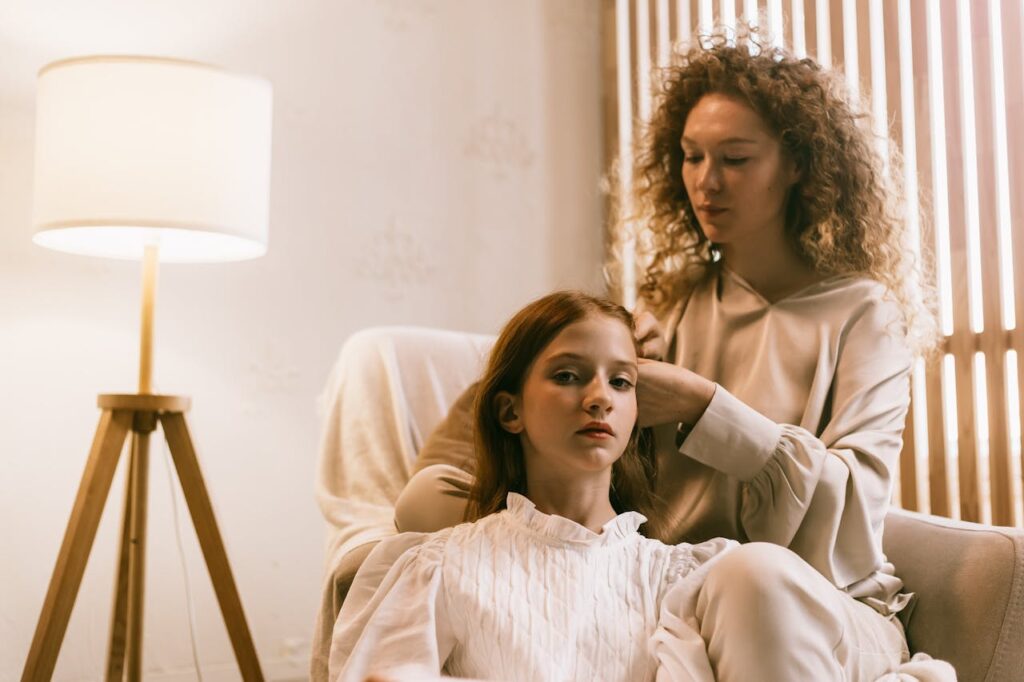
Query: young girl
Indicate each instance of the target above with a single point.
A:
(552, 578)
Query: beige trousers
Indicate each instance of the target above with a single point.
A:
(762, 611)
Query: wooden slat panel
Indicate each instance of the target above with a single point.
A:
(790, 10)
(732, 13)
(634, 63)
(890, 24)
(673, 21)
(908, 475)
(819, 26)
(662, 30)
(960, 343)
(864, 46)
(938, 460)
(643, 59)
(684, 20)
(938, 482)
(1013, 57)
(836, 32)
(612, 95)
(716, 13)
(908, 465)
(609, 90)
(796, 20)
(998, 446)
(854, 32)
(811, 28)
(762, 12)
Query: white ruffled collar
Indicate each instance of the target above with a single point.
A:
(523, 512)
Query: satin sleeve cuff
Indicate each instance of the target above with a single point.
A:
(732, 437)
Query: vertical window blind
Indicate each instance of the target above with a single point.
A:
(945, 80)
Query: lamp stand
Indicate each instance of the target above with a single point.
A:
(139, 414)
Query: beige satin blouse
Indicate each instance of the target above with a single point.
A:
(802, 437)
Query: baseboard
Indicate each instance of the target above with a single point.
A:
(276, 670)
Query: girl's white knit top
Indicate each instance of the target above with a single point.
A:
(520, 595)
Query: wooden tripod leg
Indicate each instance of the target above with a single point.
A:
(78, 539)
(210, 541)
(119, 619)
(127, 619)
(137, 557)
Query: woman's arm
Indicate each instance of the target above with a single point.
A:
(823, 497)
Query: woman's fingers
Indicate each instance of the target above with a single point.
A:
(649, 336)
(669, 394)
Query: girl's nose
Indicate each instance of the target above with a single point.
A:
(598, 399)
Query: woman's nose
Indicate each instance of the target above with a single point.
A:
(709, 180)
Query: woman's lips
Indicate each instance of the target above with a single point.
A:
(711, 210)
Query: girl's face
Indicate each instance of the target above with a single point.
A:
(736, 173)
(577, 408)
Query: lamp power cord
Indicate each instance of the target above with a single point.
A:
(190, 602)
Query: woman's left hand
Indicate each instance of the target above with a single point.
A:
(669, 394)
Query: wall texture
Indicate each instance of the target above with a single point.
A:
(436, 162)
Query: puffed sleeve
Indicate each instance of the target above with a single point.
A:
(676, 644)
(394, 618)
(823, 497)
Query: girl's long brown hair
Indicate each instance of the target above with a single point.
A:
(501, 466)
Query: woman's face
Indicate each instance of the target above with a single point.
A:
(736, 173)
(577, 408)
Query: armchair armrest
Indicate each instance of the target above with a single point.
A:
(969, 581)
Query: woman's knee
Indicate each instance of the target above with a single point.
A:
(434, 498)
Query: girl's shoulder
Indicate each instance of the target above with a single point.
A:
(416, 547)
(682, 558)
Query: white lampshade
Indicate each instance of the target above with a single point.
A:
(133, 151)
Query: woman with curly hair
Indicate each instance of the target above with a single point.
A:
(781, 310)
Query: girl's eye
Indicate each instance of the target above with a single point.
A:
(622, 383)
(736, 160)
(564, 376)
(692, 158)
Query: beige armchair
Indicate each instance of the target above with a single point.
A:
(969, 578)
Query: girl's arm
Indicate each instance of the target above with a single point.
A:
(394, 619)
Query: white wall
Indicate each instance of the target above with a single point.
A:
(435, 162)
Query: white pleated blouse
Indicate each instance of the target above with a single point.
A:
(523, 595)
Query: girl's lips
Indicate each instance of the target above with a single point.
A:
(596, 434)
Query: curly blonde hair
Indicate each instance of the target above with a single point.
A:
(844, 216)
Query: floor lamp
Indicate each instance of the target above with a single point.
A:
(153, 159)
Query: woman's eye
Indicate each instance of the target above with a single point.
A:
(736, 160)
(693, 158)
(564, 377)
(622, 383)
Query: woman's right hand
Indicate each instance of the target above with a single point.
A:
(669, 394)
(649, 336)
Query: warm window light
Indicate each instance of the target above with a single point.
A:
(140, 150)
